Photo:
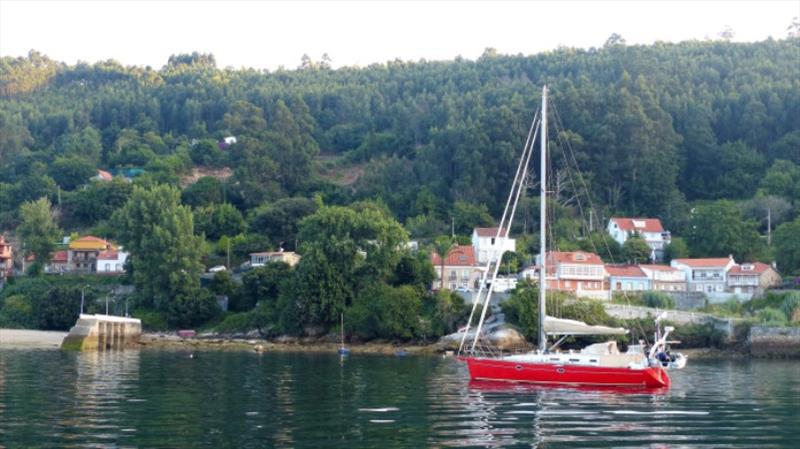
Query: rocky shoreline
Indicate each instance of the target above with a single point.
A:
(312, 345)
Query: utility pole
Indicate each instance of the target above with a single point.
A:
(769, 226)
(591, 221)
(452, 227)
(228, 266)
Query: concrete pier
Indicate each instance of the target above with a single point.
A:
(100, 332)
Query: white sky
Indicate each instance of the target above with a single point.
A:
(271, 34)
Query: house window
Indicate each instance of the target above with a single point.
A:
(619, 285)
(108, 267)
(492, 240)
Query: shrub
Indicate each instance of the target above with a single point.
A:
(382, 311)
(17, 313)
(152, 320)
(771, 316)
(658, 300)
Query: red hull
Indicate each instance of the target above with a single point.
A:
(545, 373)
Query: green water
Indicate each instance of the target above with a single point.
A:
(164, 399)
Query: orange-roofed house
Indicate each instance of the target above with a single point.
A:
(627, 278)
(460, 270)
(650, 229)
(665, 278)
(103, 175)
(705, 275)
(485, 242)
(59, 263)
(750, 279)
(6, 259)
(578, 272)
(83, 253)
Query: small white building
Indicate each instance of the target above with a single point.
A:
(263, 258)
(705, 275)
(665, 278)
(485, 242)
(650, 229)
(111, 262)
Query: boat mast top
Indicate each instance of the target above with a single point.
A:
(542, 218)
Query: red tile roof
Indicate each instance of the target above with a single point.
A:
(489, 232)
(639, 224)
(60, 257)
(625, 271)
(710, 262)
(107, 255)
(754, 269)
(104, 175)
(655, 267)
(579, 257)
(461, 256)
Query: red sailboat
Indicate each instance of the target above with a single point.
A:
(600, 364)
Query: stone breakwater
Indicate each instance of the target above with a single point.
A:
(100, 332)
(775, 342)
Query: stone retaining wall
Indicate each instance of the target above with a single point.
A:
(624, 312)
(774, 341)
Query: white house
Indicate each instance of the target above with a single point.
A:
(749, 279)
(705, 275)
(649, 229)
(485, 242)
(665, 278)
(111, 262)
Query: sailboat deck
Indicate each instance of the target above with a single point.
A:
(637, 361)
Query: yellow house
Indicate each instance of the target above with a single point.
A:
(83, 252)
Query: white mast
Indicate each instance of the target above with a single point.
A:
(542, 218)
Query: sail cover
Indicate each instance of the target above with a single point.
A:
(561, 326)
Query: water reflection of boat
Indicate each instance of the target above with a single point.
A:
(600, 364)
(509, 387)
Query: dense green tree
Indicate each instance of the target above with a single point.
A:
(383, 311)
(97, 201)
(636, 250)
(71, 172)
(216, 220)
(280, 220)
(165, 254)
(206, 152)
(38, 230)
(719, 229)
(59, 308)
(677, 249)
(206, 191)
(787, 247)
(783, 179)
(262, 284)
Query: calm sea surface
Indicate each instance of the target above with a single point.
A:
(164, 399)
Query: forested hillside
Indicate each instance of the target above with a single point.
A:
(662, 130)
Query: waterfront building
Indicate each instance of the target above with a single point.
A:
(664, 277)
(749, 279)
(460, 270)
(579, 272)
(705, 275)
(627, 278)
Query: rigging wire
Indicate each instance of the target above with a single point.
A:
(565, 144)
